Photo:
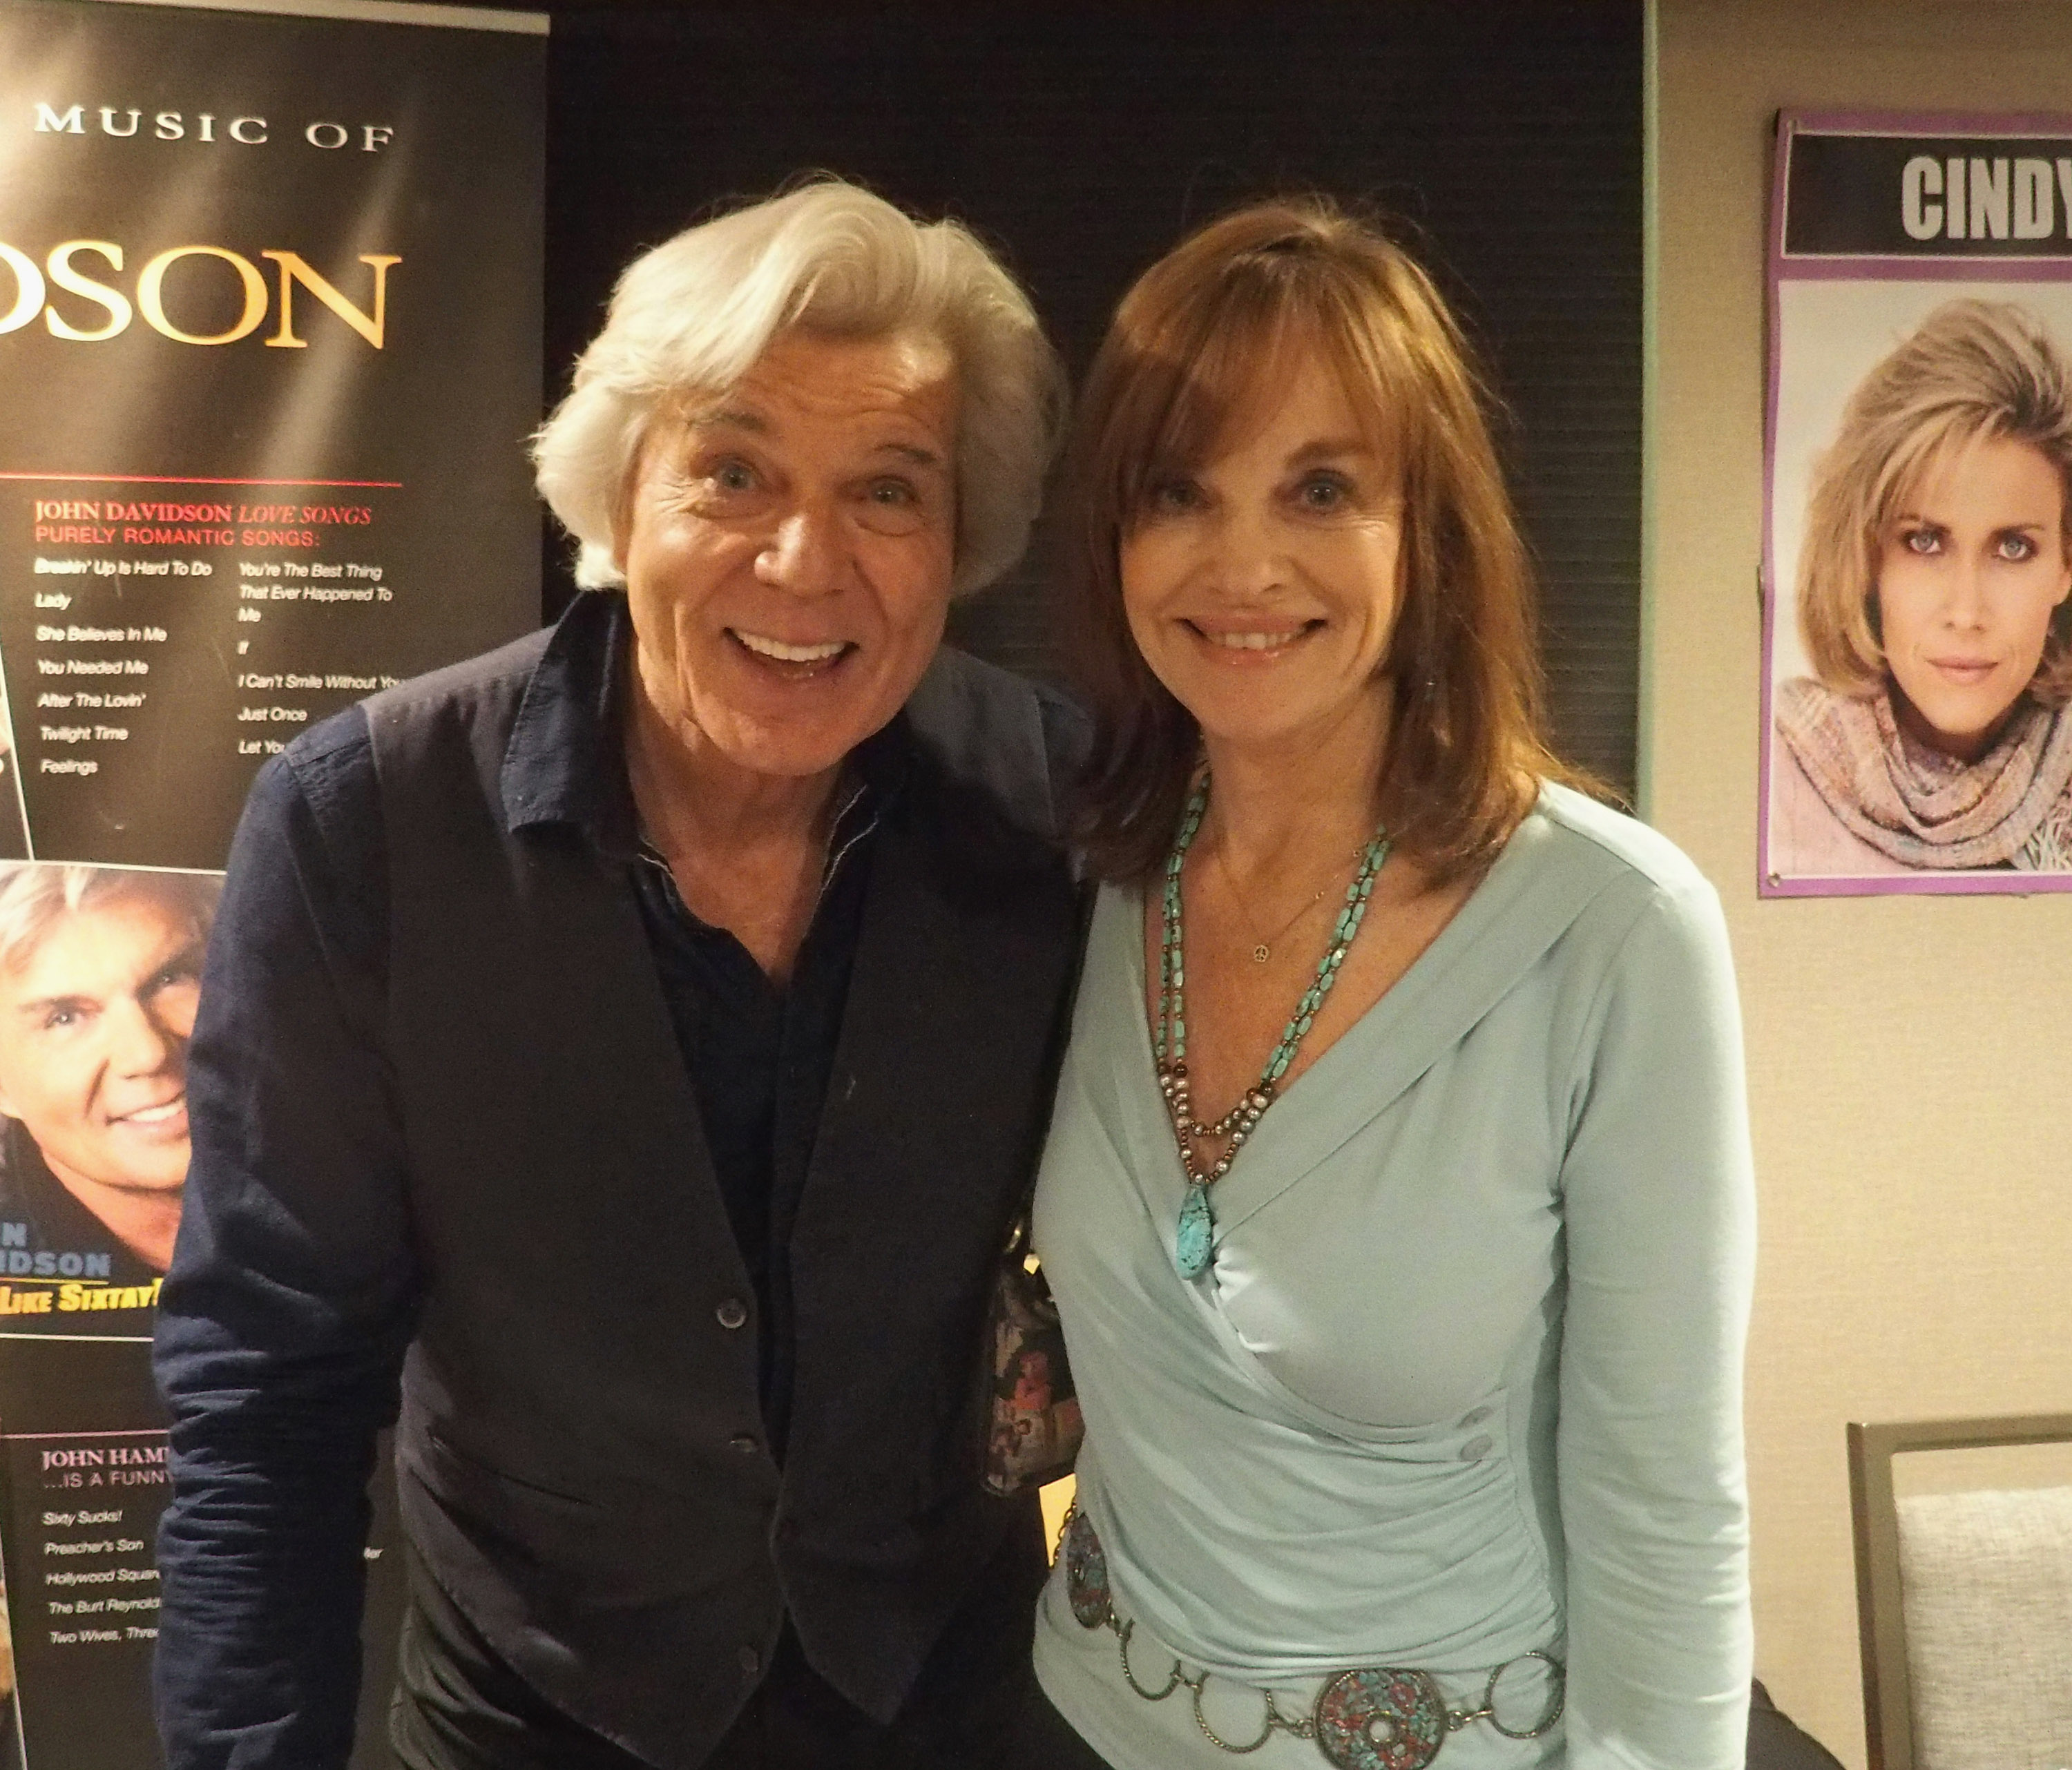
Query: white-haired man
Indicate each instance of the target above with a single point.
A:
(631, 1045)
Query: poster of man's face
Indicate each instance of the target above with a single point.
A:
(99, 980)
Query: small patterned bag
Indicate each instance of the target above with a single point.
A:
(1030, 1411)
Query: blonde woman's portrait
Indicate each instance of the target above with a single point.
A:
(1926, 731)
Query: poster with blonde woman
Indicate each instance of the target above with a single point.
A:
(1918, 571)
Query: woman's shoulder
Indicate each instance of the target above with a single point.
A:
(1579, 890)
(1637, 914)
(1570, 833)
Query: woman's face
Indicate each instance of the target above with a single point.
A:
(94, 1025)
(788, 548)
(1262, 588)
(1971, 568)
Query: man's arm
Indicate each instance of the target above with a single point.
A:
(291, 1294)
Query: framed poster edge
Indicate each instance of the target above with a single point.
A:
(1917, 884)
(381, 12)
(1925, 123)
(1766, 564)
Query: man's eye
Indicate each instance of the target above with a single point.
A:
(64, 1015)
(734, 476)
(894, 494)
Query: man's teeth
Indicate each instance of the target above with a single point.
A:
(763, 646)
(1255, 642)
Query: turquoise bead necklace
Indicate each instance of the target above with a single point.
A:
(1194, 1238)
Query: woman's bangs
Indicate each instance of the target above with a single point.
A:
(1238, 357)
(1921, 458)
(1216, 379)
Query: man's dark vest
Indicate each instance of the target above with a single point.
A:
(580, 1452)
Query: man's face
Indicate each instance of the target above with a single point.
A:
(788, 550)
(94, 1025)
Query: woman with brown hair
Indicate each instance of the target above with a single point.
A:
(1397, 1196)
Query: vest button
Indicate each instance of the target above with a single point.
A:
(733, 1313)
(750, 1660)
(745, 1443)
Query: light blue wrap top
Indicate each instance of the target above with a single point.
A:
(1464, 1378)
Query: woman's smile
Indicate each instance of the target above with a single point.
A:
(1251, 642)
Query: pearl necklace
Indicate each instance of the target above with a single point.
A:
(1194, 1236)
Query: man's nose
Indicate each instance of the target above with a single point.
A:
(138, 1044)
(803, 553)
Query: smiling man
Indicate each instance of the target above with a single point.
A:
(625, 1053)
(99, 971)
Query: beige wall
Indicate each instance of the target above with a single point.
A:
(1910, 1058)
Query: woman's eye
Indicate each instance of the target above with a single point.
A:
(1925, 542)
(893, 495)
(1323, 492)
(1173, 497)
(2016, 549)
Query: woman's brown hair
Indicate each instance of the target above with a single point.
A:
(1196, 346)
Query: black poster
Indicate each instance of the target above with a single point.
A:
(1857, 190)
(269, 352)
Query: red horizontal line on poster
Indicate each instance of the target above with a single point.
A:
(170, 479)
(133, 1432)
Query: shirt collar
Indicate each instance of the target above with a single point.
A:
(566, 762)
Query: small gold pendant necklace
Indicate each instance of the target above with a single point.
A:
(1262, 949)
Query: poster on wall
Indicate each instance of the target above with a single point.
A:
(1917, 627)
(269, 349)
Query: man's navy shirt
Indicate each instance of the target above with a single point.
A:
(309, 868)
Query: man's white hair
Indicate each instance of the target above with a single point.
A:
(690, 318)
(36, 895)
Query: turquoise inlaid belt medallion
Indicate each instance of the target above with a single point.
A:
(1368, 1717)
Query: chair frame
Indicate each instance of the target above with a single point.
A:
(1881, 1620)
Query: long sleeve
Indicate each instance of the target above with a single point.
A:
(291, 1294)
(1658, 1199)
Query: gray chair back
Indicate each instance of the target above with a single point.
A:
(1964, 1605)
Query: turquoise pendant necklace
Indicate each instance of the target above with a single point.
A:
(1194, 1238)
